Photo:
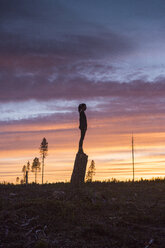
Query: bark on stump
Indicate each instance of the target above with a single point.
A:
(80, 164)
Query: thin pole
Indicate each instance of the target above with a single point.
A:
(133, 162)
(43, 169)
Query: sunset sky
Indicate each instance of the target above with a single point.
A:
(56, 54)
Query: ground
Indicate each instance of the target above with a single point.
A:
(99, 215)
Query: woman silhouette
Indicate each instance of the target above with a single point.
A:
(83, 124)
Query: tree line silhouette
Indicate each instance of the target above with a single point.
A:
(35, 167)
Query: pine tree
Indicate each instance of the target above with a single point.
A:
(24, 173)
(25, 170)
(36, 167)
(91, 172)
(17, 180)
(28, 166)
(22, 181)
(43, 152)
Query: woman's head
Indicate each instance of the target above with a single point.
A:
(82, 107)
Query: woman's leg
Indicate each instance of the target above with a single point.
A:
(83, 131)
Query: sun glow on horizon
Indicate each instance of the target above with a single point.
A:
(110, 151)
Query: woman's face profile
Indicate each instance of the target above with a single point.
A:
(84, 108)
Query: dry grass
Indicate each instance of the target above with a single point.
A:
(113, 214)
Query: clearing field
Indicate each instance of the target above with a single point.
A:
(99, 215)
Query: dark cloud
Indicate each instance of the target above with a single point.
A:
(45, 46)
(32, 9)
(24, 87)
(72, 46)
(52, 27)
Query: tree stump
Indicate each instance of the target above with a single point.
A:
(80, 164)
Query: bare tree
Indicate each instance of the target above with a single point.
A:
(91, 172)
(36, 167)
(44, 153)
